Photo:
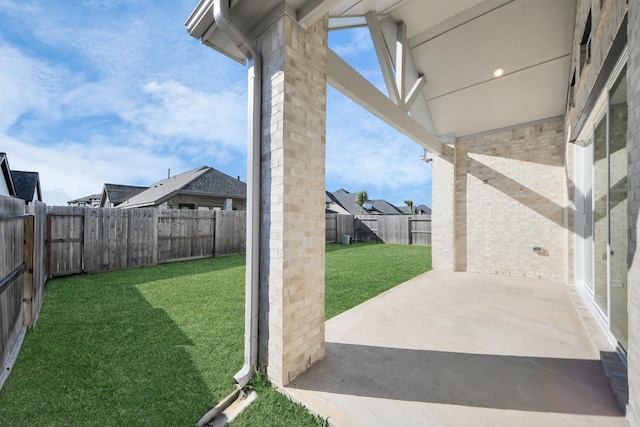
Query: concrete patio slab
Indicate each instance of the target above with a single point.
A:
(461, 349)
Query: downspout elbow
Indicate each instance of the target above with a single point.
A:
(223, 21)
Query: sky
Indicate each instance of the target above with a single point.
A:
(116, 91)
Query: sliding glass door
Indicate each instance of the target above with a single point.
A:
(605, 220)
(618, 222)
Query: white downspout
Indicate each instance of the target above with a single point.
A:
(223, 21)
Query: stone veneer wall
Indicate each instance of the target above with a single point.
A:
(291, 315)
(511, 195)
(633, 150)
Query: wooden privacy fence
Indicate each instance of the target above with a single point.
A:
(92, 240)
(22, 272)
(401, 229)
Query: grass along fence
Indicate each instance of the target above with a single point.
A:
(39, 242)
(158, 346)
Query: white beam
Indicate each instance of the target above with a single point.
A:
(401, 60)
(419, 109)
(383, 56)
(349, 82)
(414, 93)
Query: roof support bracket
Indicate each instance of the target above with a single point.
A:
(401, 61)
(349, 82)
(397, 46)
(383, 56)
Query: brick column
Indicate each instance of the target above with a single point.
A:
(291, 319)
(633, 150)
(442, 216)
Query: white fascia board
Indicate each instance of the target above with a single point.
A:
(350, 83)
(419, 108)
(200, 19)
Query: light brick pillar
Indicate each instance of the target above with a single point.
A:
(633, 150)
(291, 318)
(442, 216)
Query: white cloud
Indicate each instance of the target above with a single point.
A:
(179, 112)
(69, 170)
(365, 153)
(359, 40)
(26, 84)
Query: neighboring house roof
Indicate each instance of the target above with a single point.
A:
(404, 209)
(5, 172)
(333, 205)
(422, 210)
(117, 193)
(85, 199)
(27, 185)
(383, 207)
(417, 210)
(203, 181)
(347, 201)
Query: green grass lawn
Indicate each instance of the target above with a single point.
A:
(158, 346)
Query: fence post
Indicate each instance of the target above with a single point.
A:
(27, 295)
(48, 245)
(410, 230)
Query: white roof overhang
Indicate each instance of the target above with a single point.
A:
(437, 56)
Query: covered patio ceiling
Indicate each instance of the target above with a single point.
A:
(438, 58)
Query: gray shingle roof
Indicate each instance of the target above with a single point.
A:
(26, 184)
(383, 207)
(204, 181)
(423, 209)
(347, 200)
(215, 183)
(117, 193)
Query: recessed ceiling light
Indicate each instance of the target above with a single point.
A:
(498, 72)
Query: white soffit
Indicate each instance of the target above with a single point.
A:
(533, 94)
(514, 37)
(458, 44)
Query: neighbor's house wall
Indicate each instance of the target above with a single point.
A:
(510, 197)
(633, 150)
(4, 188)
(205, 201)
